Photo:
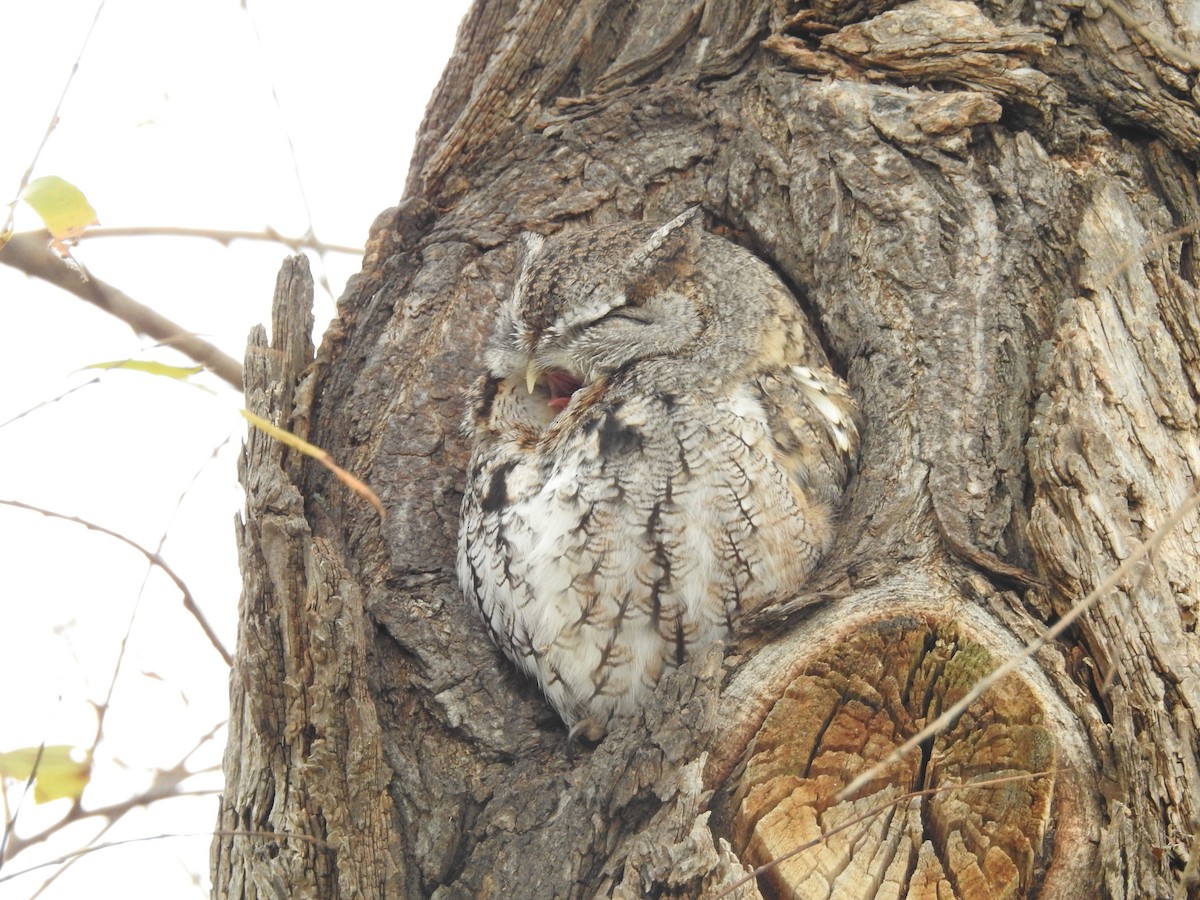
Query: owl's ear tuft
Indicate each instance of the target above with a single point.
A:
(529, 248)
(670, 253)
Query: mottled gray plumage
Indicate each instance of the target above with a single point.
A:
(659, 446)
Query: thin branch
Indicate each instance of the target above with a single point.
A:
(10, 822)
(66, 866)
(8, 223)
(111, 813)
(30, 253)
(274, 835)
(49, 402)
(209, 735)
(165, 786)
(102, 708)
(222, 236)
(977, 690)
(322, 278)
(189, 603)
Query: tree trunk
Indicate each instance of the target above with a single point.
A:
(987, 211)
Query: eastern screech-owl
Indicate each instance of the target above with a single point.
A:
(659, 445)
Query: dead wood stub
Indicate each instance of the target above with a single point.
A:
(849, 708)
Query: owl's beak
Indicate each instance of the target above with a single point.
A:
(531, 376)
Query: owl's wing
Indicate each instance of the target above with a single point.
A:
(812, 419)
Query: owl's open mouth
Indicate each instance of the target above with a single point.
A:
(562, 385)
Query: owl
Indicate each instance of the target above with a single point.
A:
(659, 446)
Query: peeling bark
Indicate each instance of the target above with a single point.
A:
(986, 209)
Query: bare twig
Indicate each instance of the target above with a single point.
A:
(162, 789)
(274, 835)
(10, 821)
(66, 866)
(49, 402)
(30, 253)
(189, 602)
(222, 236)
(8, 222)
(111, 812)
(287, 135)
(103, 707)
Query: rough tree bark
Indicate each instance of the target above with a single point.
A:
(987, 210)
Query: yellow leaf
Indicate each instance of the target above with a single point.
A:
(58, 773)
(322, 456)
(150, 367)
(61, 205)
(286, 437)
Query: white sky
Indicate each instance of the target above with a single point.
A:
(169, 121)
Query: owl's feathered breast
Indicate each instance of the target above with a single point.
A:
(637, 527)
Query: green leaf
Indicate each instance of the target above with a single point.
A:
(61, 205)
(58, 773)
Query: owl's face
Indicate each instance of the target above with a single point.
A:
(574, 316)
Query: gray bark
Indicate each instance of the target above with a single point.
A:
(981, 207)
